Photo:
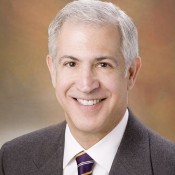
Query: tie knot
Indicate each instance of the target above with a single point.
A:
(84, 163)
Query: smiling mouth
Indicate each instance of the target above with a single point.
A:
(89, 102)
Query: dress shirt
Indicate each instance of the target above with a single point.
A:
(102, 152)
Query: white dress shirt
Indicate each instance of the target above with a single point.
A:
(102, 152)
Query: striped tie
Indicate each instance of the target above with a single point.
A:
(85, 163)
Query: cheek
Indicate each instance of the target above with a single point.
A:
(114, 83)
(64, 82)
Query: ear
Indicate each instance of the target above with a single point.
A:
(133, 72)
(52, 69)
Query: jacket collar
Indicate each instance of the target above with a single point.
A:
(54, 166)
(50, 160)
(133, 156)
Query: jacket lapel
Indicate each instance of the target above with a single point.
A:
(54, 166)
(133, 156)
(50, 161)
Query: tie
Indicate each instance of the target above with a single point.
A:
(84, 163)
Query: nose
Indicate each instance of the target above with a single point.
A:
(87, 81)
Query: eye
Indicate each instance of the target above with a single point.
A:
(104, 65)
(70, 64)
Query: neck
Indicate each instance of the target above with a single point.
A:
(89, 139)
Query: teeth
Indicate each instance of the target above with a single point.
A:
(88, 102)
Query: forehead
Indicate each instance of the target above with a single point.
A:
(86, 38)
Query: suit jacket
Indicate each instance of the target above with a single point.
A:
(141, 152)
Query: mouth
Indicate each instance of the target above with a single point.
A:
(88, 102)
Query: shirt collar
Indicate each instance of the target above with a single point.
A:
(71, 148)
(105, 149)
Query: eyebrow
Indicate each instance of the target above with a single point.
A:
(67, 56)
(96, 59)
(107, 58)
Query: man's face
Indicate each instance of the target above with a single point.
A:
(89, 79)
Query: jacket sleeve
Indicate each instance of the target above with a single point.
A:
(1, 160)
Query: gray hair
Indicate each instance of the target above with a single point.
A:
(98, 13)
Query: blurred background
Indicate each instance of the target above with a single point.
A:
(27, 99)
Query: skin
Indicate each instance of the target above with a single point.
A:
(90, 81)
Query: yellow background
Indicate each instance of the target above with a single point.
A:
(27, 99)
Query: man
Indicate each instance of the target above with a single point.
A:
(93, 61)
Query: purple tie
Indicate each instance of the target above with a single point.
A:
(84, 163)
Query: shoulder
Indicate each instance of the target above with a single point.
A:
(45, 141)
(49, 134)
(31, 151)
(162, 153)
(161, 144)
(156, 140)
(161, 150)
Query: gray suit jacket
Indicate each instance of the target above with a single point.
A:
(141, 152)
